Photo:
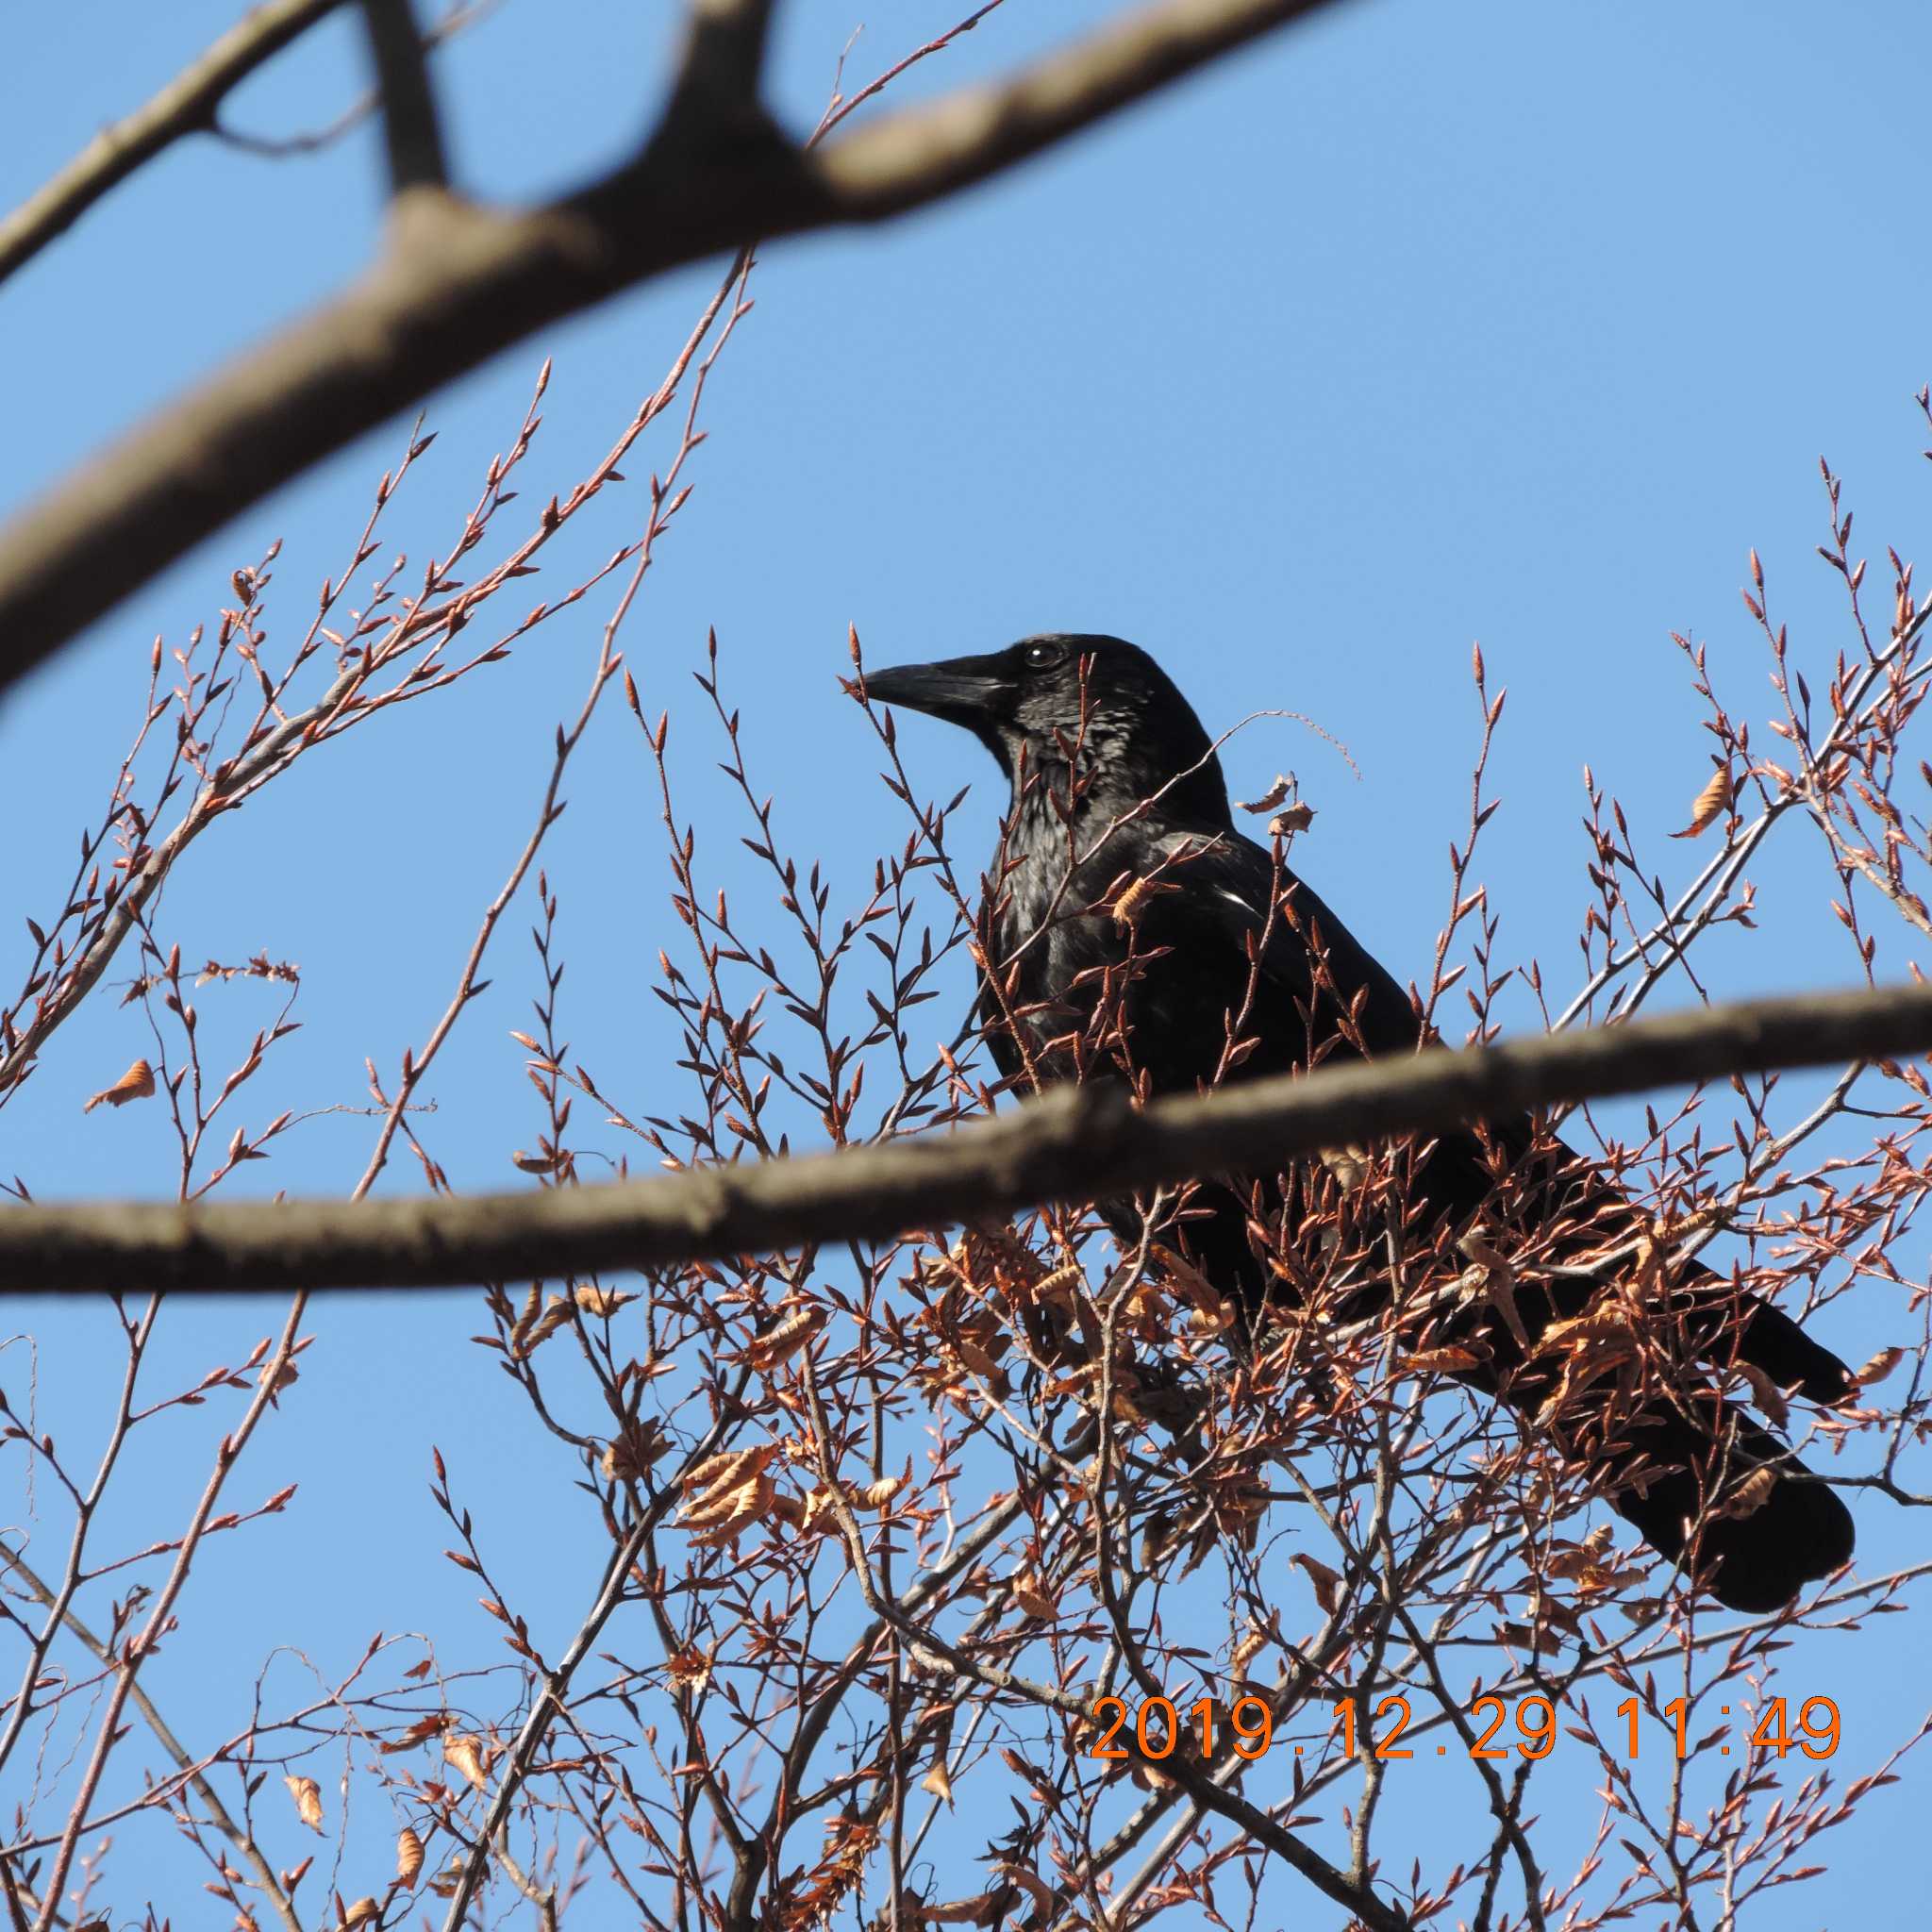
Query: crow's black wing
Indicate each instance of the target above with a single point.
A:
(1228, 883)
(1655, 1470)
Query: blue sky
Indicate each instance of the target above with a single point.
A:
(1416, 326)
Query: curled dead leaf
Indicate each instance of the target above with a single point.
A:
(1520, 1637)
(626, 1457)
(1297, 818)
(727, 1511)
(689, 1670)
(1270, 798)
(1497, 1284)
(977, 1910)
(1326, 1582)
(1060, 1288)
(1709, 805)
(939, 1782)
(307, 1796)
(597, 1300)
(1131, 902)
(1028, 1881)
(790, 1509)
(534, 1328)
(1584, 1564)
(279, 1374)
(1766, 1393)
(1214, 1312)
(1347, 1164)
(1029, 1592)
(422, 1728)
(1880, 1366)
(1438, 1360)
(879, 1495)
(1751, 1496)
(778, 1343)
(408, 1855)
(1246, 1651)
(727, 1470)
(464, 1753)
(365, 1911)
(136, 1083)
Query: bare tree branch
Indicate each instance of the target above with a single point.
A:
(278, 147)
(457, 283)
(186, 106)
(724, 52)
(1071, 1145)
(190, 1773)
(412, 132)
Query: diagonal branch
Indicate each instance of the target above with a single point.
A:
(457, 283)
(186, 106)
(191, 1774)
(1070, 1146)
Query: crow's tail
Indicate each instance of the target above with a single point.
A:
(1758, 1545)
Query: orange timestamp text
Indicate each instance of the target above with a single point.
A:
(1157, 1726)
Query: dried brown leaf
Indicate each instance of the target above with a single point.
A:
(879, 1495)
(464, 1752)
(1216, 1312)
(1766, 1393)
(1520, 1637)
(136, 1083)
(626, 1457)
(1751, 1494)
(1709, 805)
(307, 1796)
(1246, 1651)
(1326, 1582)
(599, 1301)
(1880, 1366)
(1497, 1283)
(778, 1343)
(1443, 1360)
(721, 1515)
(689, 1670)
(1131, 902)
(532, 1329)
(1270, 798)
(1030, 1594)
(965, 1912)
(727, 1468)
(1060, 1288)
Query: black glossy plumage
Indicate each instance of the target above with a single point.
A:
(1049, 700)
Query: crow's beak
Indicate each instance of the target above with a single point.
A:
(964, 690)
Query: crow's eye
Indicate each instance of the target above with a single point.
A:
(1042, 657)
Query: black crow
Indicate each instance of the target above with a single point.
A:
(1115, 781)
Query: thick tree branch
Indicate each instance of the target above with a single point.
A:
(1073, 1145)
(457, 283)
(186, 106)
(723, 52)
(412, 131)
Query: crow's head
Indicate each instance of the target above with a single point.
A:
(1047, 701)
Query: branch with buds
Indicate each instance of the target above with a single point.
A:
(1067, 1145)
